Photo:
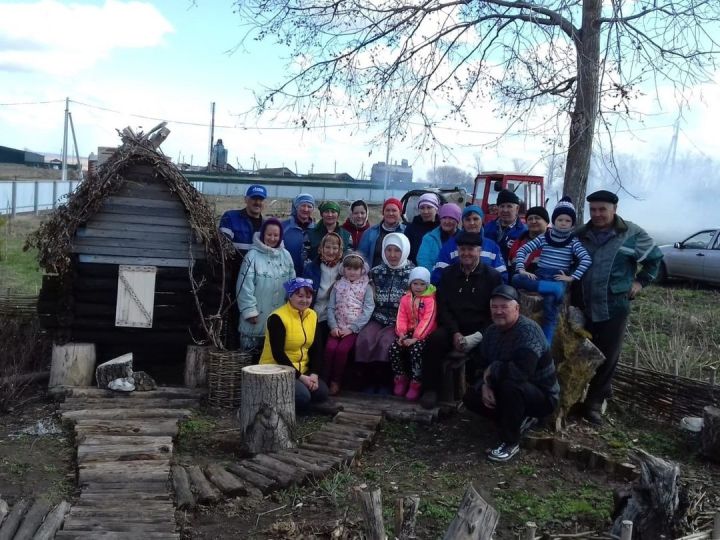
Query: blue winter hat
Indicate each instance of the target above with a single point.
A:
(296, 283)
(565, 206)
(256, 190)
(304, 198)
(473, 208)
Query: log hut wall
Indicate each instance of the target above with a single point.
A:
(143, 224)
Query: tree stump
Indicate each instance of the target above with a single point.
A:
(72, 364)
(117, 368)
(267, 408)
(196, 366)
(453, 384)
(710, 435)
(475, 519)
(654, 504)
(371, 508)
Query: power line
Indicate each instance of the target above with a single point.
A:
(31, 103)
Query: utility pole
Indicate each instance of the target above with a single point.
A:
(387, 161)
(65, 141)
(212, 132)
(77, 154)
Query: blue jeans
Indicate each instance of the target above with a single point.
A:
(552, 292)
(303, 396)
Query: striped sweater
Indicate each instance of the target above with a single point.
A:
(556, 257)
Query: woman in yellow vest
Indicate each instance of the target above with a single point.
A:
(290, 341)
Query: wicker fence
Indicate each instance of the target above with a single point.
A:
(654, 394)
(17, 306)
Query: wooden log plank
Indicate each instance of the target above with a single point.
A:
(145, 243)
(367, 420)
(13, 519)
(75, 404)
(139, 528)
(32, 520)
(298, 462)
(161, 221)
(94, 232)
(345, 454)
(329, 441)
(123, 452)
(113, 535)
(183, 229)
(327, 460)
(298, 474)
(281, 479)
(146, 204)
(229, 484)
(135, 440)
(131, 513)
(143, 491)
(123, 472)
(125, 414)
(81, 248)
(350, 431)
(183, 493)
(169, 392)
(261, 482)
(136, 260)
(120, 503)
(157, 210)
(89, 427)
(206, 493)
(53, 522)
(4, 510)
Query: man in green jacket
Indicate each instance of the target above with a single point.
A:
(625, 259)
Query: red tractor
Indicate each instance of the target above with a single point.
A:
(529, 189)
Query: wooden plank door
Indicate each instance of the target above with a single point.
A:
(135, 296)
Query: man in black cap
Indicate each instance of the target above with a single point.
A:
(518, 383)
(625, 259)
(463, 310)
(507, 228)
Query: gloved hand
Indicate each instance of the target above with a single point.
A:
(472, 341)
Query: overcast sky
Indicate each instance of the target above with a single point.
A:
(169, 60)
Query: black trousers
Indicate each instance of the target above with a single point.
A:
(437, 345)
(607, 336)
(513, 402)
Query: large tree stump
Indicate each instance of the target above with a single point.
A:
(654, 503)
(475, 519)
(576, 357)
(710, 435)
(196, 366)
(72, 364)
(117, 368)
(267, 408)
(371, 508)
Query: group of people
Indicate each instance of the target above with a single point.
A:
(394, 300)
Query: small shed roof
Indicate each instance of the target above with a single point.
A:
(54, 237)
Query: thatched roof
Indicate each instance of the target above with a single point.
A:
(53, 239)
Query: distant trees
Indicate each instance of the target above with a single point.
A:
(448, 175)
(566, 65)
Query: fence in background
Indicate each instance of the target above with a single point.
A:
(32, 196)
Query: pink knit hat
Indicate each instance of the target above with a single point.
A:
(450, 210)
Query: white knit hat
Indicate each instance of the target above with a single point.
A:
(419, 273)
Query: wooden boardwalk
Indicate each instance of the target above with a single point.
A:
(124, 449)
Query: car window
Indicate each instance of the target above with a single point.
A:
(717, 242)
(700, 240)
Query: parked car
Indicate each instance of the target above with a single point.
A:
(696, 258)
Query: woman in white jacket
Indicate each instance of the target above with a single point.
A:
(259, 288)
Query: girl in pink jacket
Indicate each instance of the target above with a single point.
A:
(415, 320)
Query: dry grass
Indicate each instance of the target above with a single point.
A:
(9, 171)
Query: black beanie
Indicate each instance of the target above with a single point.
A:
(507, 196)
(565, 206)
(538, 211)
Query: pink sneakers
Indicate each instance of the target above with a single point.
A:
(413, 393)
(401, 385)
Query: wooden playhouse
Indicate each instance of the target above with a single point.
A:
(134, 262)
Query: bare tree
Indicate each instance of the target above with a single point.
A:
(422, 62)
(449, 175)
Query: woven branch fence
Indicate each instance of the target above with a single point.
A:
(662, 396)
(17, 306)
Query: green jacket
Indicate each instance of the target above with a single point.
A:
(605, 286)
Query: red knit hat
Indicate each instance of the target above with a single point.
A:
(393, 201)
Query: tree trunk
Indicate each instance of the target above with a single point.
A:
(475, 519)
(267, 408)
(73, 364)
(196, 366)
(406, 510)
(117, 368)
(584, 116)
(371, 508)
(710, 436)
(12, 522)
(52, 522)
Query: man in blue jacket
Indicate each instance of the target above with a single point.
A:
(625, 260)
(472, 218)
(240, 225)
(508, 227)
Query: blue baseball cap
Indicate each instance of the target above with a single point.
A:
(256, 190)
